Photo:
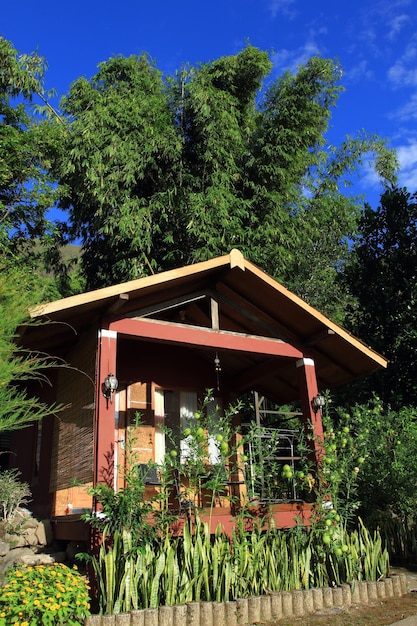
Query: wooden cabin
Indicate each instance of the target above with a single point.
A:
(221, 324)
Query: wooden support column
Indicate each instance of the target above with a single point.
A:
(104, 437)
(308, 390)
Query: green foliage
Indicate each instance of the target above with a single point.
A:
(127, 508)
(382, 277)
(51, 595)
(13, 494)
(186, 474)
(208, 432)
(117, 167)
(387, 481)
(28, 145)
(19, 288)
(201, 567)
(124, 509)
(272, 479)
(159, 172)
(369, 468)
(139, 569)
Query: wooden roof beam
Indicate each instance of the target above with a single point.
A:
(183, 334)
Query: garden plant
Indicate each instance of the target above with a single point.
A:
(47, 595)
(147, 568)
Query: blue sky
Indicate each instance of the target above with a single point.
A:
(374, 41)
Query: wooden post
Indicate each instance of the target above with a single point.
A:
(104, 432)
(308, 390)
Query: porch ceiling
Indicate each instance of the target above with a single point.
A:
(228, 293)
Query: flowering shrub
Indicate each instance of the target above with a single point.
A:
(46, 595)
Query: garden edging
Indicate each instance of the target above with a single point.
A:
(244, 612)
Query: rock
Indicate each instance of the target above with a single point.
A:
(14, 555)
(24, 519)
(44, 533)
(36, 559)
(15, 541)
(4, 548)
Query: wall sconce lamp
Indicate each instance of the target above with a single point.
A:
(318, 403)
(109, 386)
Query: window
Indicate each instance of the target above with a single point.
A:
(173, 410)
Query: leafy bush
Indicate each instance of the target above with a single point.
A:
(52, 595)
(13, 494)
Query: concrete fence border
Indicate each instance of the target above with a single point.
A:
(244, 612)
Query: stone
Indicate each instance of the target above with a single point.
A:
(347, 594)
(4, 548)
(165, 616)
(230, 613)
(337, 596)
(36, 559)
(276, 605)
(308, 601)
(254, 609)
(151, 617)
(137, 618)
(206, 614)
(14, 555)
(318, 601)
(266, 608)
(286, 598)
(327, 597)
(298, 603)
(219, 613)
(123, 619)
(180, 615)
(44, 533)
(242, 610)
(15, 541)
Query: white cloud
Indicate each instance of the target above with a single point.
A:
(285, 7)
(407, 156)
(284, 59)
(404, 71)
(407, 175)
(396, 25)
(359, 72)
(408, 111)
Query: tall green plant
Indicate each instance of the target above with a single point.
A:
(127, 509)
(159, 171)
(200, 567)
(19, 289)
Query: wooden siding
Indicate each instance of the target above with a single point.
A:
(72, 452)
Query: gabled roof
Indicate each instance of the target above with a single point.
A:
(249, 302)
